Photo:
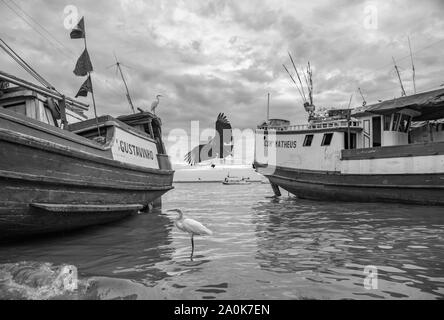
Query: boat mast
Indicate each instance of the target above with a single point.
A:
(399, 77)
(92, 91)
(126, 86)
(413, 67)
(364, 103)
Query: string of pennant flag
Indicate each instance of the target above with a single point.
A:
(83, 65)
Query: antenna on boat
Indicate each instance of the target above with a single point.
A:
(310, 83)
(118, 64)
(399, 77)
(413, 66)
(299, 78)
(364, 103)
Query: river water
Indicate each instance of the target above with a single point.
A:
(262, 248)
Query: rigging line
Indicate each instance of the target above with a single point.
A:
(20, 63)
(32, 27)
(408, 56)
(297, 73)
(303, 100)
(36, 22)
(24, 64)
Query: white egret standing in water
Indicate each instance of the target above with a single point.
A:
(190, 226)
(155, 104)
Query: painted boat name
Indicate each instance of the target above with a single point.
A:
(131, 149)
(291, 144)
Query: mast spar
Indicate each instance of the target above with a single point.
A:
(399, 77)
(126, 86)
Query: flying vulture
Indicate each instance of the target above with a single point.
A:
(221, 146)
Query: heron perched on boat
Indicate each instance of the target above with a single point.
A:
(191, 226)
(155, 104)
(221, 146)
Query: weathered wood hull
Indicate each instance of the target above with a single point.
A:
(423, 189)
(44, 165)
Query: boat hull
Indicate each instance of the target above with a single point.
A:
(52, 181)
(422, 189)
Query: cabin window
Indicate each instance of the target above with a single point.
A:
(396, 118)
(326, 141)
(404, 123)
(308, 140)
(387, 122)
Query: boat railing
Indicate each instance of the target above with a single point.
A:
(336, 124)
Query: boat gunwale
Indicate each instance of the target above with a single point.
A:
(37, 143)
(353, 185)
(338, 173)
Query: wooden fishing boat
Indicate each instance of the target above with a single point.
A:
(92, 172)
(373, 153)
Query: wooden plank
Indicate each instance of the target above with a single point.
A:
(72, 208)
(410, 150)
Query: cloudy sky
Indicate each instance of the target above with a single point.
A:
(215, 56)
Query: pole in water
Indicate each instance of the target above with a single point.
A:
(276, 190)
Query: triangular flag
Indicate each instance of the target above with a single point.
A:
(78, 32)
(85, 88)
(83, 65)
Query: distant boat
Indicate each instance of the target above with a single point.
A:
(236, 180)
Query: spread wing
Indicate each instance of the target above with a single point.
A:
(201, 153)
(220, 146)
(225, 133)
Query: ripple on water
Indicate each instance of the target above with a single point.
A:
(262, 248)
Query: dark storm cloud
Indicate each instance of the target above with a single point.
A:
(208, 57)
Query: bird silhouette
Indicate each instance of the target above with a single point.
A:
(155, 104)
(221, 146)
(193, 227)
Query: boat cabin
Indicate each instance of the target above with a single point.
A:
(384, 130)
(30, 103)
(135, 139)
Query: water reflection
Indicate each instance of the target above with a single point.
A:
(332, 243)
